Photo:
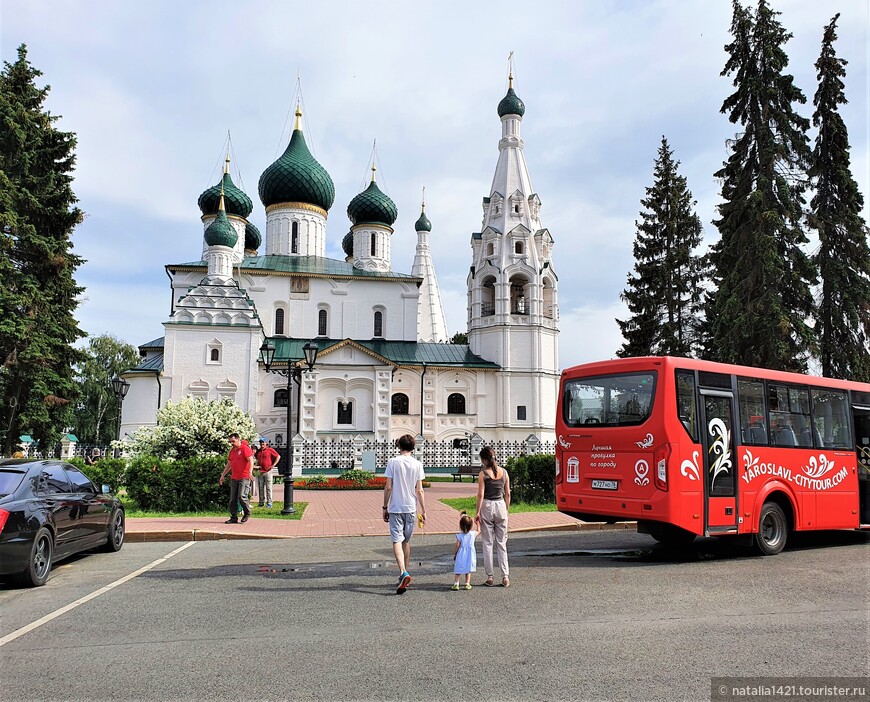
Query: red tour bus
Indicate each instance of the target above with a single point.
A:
(688, 447)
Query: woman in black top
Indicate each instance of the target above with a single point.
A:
(493, 501)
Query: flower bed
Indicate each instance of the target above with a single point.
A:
(339, 484)
(319, 483)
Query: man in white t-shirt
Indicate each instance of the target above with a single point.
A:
(404, 489)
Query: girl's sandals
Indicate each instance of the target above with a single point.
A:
(489, 581)
(505, 582)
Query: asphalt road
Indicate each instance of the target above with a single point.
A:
(589, 616)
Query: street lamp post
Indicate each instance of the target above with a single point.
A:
(120, 388)
(293, 373)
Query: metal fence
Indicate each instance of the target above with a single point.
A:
(314, 456)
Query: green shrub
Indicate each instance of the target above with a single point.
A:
(360, 477)
(188, 485)
(106, 471)
(316, 480)
(533, 478)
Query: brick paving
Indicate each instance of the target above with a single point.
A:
(341, 513)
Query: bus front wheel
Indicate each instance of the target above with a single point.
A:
(772, 530)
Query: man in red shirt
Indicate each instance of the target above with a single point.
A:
(267, 459)
(241, 463)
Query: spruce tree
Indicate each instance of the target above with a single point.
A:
(38, 215)
(663, 293)
(843, 315)
(759, 309)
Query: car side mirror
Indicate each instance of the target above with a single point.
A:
(106, 489)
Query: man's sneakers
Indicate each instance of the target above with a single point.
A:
(231, 521)
(404, 581)
(268, 505)
(245, 518)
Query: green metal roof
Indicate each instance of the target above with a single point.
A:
(297, 177)
(317, 266)
(235, 200)
(511, 105)
(253, 238)
(401, 353)
(155, 363)
(372, 206)
(221, 232)
(71, 437)
(423, 224)
(154, 344)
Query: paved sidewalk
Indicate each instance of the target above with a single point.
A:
(342, 513)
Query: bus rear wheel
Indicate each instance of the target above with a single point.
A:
(772, 530)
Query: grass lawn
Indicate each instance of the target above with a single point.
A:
(133, 511)
(470, 503)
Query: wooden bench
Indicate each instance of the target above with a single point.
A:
(465, 470)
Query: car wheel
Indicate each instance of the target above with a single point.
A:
(39, 564)
(772, 530)
(115, 535)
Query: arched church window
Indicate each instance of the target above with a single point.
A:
(294, 237)
(518, 247)
(379, 323)
(456, 403)
(490, 249)
(279, 321)
(215, 355)
(321, 323)
(399, 403)
(374, 245)
(280, 398)
(345, 413)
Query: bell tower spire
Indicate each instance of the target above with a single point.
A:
(512, 286)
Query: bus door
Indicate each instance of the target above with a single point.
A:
(720, 462)
(861, 415)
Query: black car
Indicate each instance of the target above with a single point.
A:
(50, 510)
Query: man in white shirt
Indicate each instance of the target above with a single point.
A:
(404, 489)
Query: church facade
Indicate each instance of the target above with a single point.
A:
(385, 366)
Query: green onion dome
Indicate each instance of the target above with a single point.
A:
(253, 239)
(511, 105)
(235, 200)
(423, 224)
(372, 206)
(297, 176)
(220, 232)
(347, 244)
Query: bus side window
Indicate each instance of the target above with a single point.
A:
(750, 400)
(686, 406)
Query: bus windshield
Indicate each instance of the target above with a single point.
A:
(609, 400)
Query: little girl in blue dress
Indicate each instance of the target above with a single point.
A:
(465, 555)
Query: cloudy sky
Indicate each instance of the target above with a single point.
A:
(152, 88)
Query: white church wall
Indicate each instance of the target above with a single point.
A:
(140, 405)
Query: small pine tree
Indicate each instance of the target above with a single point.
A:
(664, 293)
(759, 308)
(37, 218)
(843, 314)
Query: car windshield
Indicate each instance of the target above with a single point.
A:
(9, 481)
(609, 401)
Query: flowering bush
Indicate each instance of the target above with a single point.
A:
(193, 427)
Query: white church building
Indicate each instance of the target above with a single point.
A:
(385, 366)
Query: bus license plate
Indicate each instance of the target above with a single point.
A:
(605, 484)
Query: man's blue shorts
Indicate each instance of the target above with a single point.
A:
(402, 526)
